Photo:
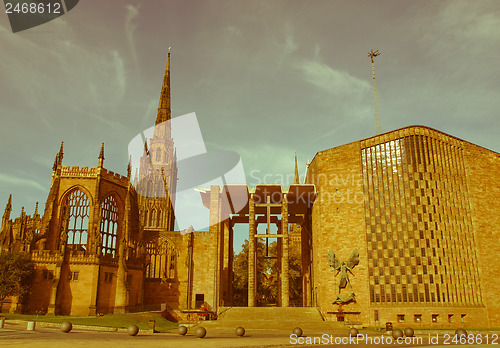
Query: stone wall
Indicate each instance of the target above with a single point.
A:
(483, 179)
(338, 225)
(74, 297)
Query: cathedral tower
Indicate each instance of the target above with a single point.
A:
(158, 170)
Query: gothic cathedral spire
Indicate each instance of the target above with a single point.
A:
(60, 154)
(8, 208)
(101, 156)
(164, 112)
(296, 174)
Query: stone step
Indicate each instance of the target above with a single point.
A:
(272, 318)
(271, 313)
(324, 327)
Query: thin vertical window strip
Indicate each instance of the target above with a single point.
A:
(414, 181)
(109, 225)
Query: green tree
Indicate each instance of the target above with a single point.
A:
(295, 272)
(267, 274)
(240, 281)
(240, 269)
(16, 275)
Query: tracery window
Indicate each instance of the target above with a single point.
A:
(109, 225)
(152, 217)
(162, 260)
(158, 218)
(78, 220)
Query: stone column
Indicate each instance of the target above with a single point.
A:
(94, 291)
(305, 253)
(279, 255)
(285, 295)
(231, 270)
(216, 248)
(251, 252)
(52, 309)
(226, 248)
(306, 293)
(121, 279)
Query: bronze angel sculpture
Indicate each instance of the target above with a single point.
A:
(343, 268)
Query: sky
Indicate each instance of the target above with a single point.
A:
(266, 79)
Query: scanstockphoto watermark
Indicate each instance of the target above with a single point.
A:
(336, 188)
(27, 14)
(257, 177)
(358, 339)
(430, 339)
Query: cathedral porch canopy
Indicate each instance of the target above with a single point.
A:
(234, 198)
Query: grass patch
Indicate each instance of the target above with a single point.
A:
(108, 320)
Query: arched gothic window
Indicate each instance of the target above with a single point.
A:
(158, 218)
(109, 225)
(152, 218)
(146, 217)
(78, 220)
(158, 155)
(162, 260)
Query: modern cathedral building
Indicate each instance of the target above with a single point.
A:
(399, 227)
(421, 207)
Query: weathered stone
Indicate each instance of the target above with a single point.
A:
(200, 332)
(132, 330)
(66, 326)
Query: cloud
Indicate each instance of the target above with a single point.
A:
(119, 71)
(458, 32)
(474, 20)
(150, 113)
(288, 44)
(63, 77)
(272, 159)
(341, 101)
(450, 81)
(17, 181)
(331, 81)
(130, 27)
(231, 30)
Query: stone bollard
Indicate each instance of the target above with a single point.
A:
(31, 325)
(409, 332)
(200, 332)
(151, 328)
(2, 322)
(182, 330)
(397, 333)
(66, 326)
(239, 331)
(132, 330)
(460, 332)
(298, 331)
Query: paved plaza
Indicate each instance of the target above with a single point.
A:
(15, 334)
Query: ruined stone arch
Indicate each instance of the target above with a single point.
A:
(75, 216)
(161, 258)
(64, 196)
